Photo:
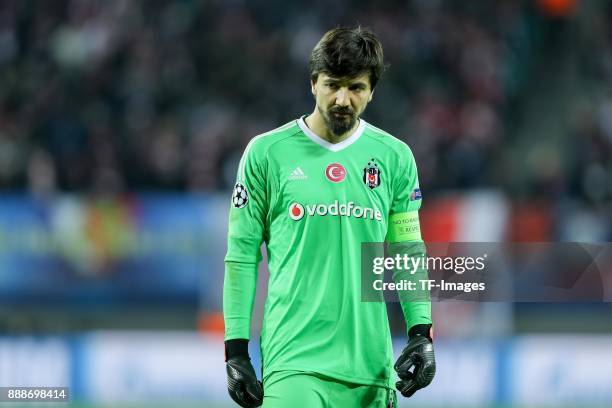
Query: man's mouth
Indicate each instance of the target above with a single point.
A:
(341, 114)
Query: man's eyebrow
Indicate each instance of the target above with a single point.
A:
(347, 82)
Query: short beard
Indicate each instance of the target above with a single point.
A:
(338, 126)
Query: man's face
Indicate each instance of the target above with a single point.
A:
(341, 100)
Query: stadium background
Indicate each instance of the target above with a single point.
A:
(121, 125)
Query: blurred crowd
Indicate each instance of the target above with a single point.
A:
(115, 96)
(588, 153)
(164, 95)
(126, 95)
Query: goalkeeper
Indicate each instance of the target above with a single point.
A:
(313, 190)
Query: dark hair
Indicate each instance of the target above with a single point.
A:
(347, 52)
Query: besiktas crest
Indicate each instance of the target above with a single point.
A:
(371, 174)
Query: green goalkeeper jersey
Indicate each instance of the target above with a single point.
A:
(313, 203)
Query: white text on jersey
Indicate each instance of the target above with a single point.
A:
(336, 209)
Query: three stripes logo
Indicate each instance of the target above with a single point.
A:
(297, 174)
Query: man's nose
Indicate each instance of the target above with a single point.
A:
(342, 97)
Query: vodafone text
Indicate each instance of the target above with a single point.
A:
(349, 209)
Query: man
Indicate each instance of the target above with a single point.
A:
(313, 190)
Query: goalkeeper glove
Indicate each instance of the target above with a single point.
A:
(419, 353)
(242, 383)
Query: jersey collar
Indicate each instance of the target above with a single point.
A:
(334, 147)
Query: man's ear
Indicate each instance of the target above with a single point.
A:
(371, 95)
(313, 86)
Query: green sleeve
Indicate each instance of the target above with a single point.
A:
(416, 305)
(404, 236)
(245, 235)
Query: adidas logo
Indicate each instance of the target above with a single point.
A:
(297, 174)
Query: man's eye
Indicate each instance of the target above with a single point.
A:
(332, 86)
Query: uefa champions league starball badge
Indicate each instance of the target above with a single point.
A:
(240, 196)
(371, 175)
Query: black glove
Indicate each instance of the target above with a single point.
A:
(242, 383)
(418, 353)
